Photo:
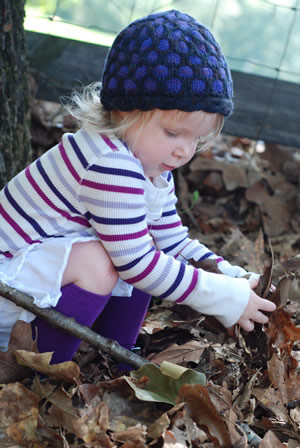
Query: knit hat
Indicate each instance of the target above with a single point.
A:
(166, 61)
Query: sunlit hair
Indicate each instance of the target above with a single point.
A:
(86, 108)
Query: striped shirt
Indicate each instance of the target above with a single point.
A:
(91, 184)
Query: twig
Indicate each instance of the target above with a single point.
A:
(72, 327)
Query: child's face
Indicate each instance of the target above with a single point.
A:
(166, 142)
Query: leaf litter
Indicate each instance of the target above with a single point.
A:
(202, 388)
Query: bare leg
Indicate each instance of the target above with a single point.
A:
(86, 288)
(90, 268)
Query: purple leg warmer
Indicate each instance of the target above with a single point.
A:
(75, 302)
(123, 317)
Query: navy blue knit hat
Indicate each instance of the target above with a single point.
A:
(166, 61)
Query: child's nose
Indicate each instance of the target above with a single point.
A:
(185, 150)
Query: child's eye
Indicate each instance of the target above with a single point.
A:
(171, 133)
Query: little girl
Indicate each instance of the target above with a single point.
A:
(91, 227)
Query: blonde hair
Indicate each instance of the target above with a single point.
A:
(86, 108)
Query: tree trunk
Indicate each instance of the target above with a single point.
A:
(15, 144)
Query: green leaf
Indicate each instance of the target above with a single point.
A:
(162, 387)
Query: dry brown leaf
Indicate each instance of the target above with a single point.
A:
(20, 338)
(270, 440)
(288, 386)
(67, 371)
(177, 354)
(19, 413)
(271, 399)
(204, 413)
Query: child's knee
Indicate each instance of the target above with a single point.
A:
(90, 267)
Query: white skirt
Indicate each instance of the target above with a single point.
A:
(36, 271)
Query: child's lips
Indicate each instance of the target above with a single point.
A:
(167, 167)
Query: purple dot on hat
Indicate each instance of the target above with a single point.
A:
(207, 33)
(185, 71)
(173, 58)
(177, 34)
(201, 49)
(112, 68)
(217, 86)
(171, 16)
(152, 56)
(122, 56)
(182, 47)
(198, 85)
(212, 60)
(195, 60)
(135, 58)
(207, 72)
(182, 24)
(197, 35)
(123, 71)
(129, 85)
(222, 73)
(131, 29)
(144, 32)
(164, 44)
(141, 72)
(132, 45)
(150, 85)
(159, 30)
(112, 84)
(170, 25)
(174, 85)
(146, 44)
(161, 71)
(212, 48)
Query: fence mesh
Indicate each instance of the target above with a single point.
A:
(258, 36)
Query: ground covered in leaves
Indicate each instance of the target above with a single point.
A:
(201, 388)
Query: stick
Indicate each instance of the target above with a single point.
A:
(71, 326)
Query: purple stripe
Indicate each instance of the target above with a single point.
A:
(218, 260)
(16, 227)
(114, 188)
(190, 288)
(147, 271)
(6, 254)
(68, 163)
(109, 142)
(128, 236)
(77, 151)
(166, 226)
(208, 254)
(77, 219)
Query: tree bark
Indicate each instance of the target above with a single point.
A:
(15, 144)
(71, 326)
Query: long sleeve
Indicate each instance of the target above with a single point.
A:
(172, 237)
(112, 198)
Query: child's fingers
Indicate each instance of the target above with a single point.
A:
(246, 324)
(253, 280)
(260, 318)
(266, 305)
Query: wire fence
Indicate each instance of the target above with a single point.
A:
(258, 36)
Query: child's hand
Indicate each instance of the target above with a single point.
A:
(253, 310)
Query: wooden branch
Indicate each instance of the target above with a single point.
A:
(71, 326)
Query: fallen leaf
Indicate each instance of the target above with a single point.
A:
(204, 413)
(67, 371)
